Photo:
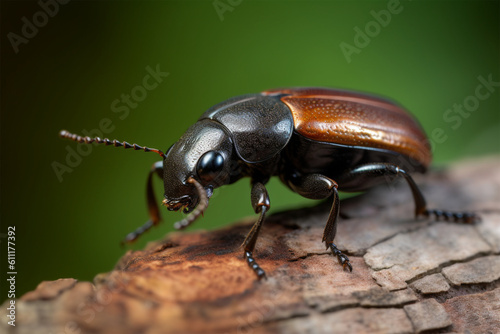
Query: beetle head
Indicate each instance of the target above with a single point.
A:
(197, 164)
(193, 167)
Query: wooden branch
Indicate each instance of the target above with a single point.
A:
(409, 275)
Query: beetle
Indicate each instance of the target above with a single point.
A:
(318, 141)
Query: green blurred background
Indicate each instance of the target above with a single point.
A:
(428, 57)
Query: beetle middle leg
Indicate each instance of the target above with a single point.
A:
(260, 203)
(154, 212)
(369, 173)
(317, 186)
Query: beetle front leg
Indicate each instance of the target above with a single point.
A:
(317, 186)
(369, 172)
(260, 203)
(154, 212)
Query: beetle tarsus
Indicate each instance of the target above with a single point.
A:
(133, 236)
(457, 217)
(343, 259)
(252, 264)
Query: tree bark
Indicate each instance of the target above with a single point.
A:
(409, 275)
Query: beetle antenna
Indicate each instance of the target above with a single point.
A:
(200, 208)
(106, 141)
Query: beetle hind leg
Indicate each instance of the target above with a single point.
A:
(369, 172)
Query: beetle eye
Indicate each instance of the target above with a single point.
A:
(210, 165)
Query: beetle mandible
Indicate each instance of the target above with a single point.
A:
(317, 140)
